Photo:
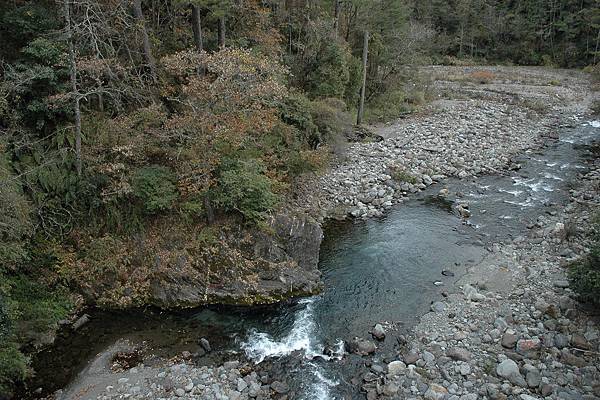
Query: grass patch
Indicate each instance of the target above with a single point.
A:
(401, 176)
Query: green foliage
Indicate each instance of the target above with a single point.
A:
(331, 74)
(15, 219)
(244, 187)
(44, 51)
(401, 176)
(332, 120)
(295, 110)
(585, 276)
(28, 309)
(13, 366)
(155, 187)
(387, 106)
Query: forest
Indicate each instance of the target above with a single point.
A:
(122, 117)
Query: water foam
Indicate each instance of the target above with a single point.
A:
(261, 345)
(594, 124)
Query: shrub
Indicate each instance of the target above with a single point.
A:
(15, 222)
(585, 276)
(481, 77)
(330, 76)
(387, 106)
(13, 366)
(243, 187)
(295, 110)
(155, 187)
(401, 176)
(332, 120)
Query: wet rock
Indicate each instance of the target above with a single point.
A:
(378, 332)
(280, 387)
(438, 307)
(396, 368)
(205, 344)
(361, 346)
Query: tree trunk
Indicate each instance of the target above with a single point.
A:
(363, 89)
(221, 32)
(139, 17)
(197, 27)
(336, 19)
(75, 93)
(210, 213)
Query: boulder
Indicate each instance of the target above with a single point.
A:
(378, 332)
(459, 354)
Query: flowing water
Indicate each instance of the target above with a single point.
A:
(384, 270)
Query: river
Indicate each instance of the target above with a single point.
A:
(387, 270)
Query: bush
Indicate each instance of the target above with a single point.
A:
(13, 366)
(15, 222)
(387, 106)
(585, 276)
(401, 176)
(155, 187)
(332, 120)
(295, 110)
(243, 187)
(331, 74)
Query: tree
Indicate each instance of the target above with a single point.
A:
(75, 92)
(147, 49)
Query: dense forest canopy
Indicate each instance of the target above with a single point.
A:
(121, 116)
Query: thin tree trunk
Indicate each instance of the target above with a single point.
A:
(336, 20)
(197, 27)
(221, 32)
(139, 16)
(210, 213)
(597, 46)
(363, 89)
(75, 93)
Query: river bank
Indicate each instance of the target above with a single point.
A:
(473, 127)
(492, 150)
(514, 329)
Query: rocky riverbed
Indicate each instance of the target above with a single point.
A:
(515, 329)
(471, 129)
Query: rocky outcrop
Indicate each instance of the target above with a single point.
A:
(248, 266)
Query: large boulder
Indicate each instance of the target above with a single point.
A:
(249, 266)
